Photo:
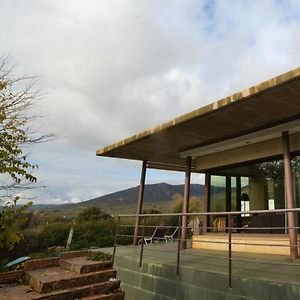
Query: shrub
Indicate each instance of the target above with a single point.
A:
(100, 256)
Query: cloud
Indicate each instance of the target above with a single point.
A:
(113, 68)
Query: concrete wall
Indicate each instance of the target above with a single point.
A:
(160, 282)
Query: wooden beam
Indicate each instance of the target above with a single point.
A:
(168, 167)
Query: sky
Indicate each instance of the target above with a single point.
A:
(113, 68)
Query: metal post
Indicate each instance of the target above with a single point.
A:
(229, 253)
(228, 196)
(238, 201)
(288, 184)
(115, 242)
(186, 201)
(206, 201)
(140, 202)
(143, 242)
(178, 247)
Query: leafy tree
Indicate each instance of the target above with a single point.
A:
(92, 214)
(195, 205)
(17, 97)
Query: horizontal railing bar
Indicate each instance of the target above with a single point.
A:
(250, 212)
(246, 228)
(153, 226)
(243, 244)
(214, 242)
(224, 228)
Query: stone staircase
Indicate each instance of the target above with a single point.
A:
(75, 278)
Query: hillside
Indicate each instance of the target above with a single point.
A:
(160, 192)
(159, 195)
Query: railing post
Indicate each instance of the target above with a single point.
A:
(178, 246)
(186, 197)
(206, 202)
(140, 202)
(288, 186)
(142, 243)
(229, 253)
(115, 242)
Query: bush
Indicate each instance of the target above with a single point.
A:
(99, 234)
(92, 214)
(100, 256)
(55, 234)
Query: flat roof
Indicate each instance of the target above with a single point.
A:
(268, 104)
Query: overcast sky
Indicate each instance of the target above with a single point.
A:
(114, 68)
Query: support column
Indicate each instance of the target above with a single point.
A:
(140, 202)
(228, 198)
(238, 201)
(186, 201)
(288, 186)
(228, 193)
(206, 202)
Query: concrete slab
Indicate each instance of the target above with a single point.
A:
(49, 279)
(84, 265)
(16, 292)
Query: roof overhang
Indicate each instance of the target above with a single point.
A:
(258, 112)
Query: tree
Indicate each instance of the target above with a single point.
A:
(17, 98)
(195, 205)
(92, 214)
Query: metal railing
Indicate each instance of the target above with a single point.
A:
(228, 230)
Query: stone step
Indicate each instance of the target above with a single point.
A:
(82, 265)
(103, 290)
(119, 295)
(55, 278)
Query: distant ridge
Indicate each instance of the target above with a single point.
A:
(153, 193)
(159, 192)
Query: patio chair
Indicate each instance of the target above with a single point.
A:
(169, 238)
(149, 238)
(157, 235)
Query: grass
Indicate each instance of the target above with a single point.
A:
(100, 256)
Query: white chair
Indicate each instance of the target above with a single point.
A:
(148, 239)
(169, 238)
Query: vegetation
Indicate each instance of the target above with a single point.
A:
(92, 228)
(176, 206)
(92, 214)
(100, 256)
(17, 98)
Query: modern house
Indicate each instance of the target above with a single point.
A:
(248, 144)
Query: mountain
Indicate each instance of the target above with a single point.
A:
(160, 192)
(153, 193)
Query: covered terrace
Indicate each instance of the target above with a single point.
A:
(246, 144)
